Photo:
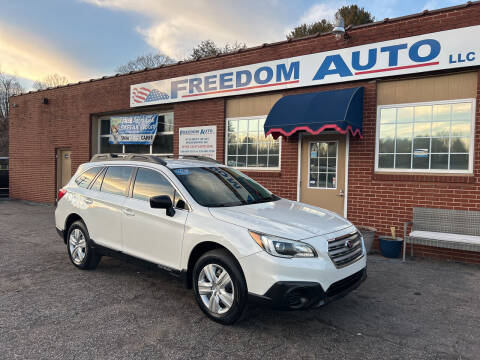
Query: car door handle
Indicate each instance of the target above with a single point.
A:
(88, 201)
(128, 212)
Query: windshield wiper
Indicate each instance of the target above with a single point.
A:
(267, 199)
(226, 204)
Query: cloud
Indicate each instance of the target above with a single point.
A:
(31, 57)
(175, 27)
(320, 11)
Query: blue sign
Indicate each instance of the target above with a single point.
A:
(134, 129)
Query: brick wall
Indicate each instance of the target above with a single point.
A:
(36, 130)
(388, 200)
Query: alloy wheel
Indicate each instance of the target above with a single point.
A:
(215, 288)
(77, 245)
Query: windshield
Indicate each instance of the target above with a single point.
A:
(222, 186)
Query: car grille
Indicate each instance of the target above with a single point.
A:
(342, 254)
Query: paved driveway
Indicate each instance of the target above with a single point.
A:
(48, 309)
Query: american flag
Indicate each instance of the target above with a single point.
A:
(140, 95)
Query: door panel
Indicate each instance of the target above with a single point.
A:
(105, 200)
(104, 218)
(149, 233)
(323, 171)
(152, 235)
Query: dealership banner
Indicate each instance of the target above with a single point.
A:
(198, 141)
(135, 129)
(428, 52)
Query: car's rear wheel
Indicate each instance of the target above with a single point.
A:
(81, 254)
(219, 286)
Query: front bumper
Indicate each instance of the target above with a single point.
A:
(293, 295)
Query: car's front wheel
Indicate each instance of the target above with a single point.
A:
(82, 255)
(219, 286)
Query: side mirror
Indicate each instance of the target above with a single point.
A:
(162, 202)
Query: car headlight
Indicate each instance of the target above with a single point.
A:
(277, 246)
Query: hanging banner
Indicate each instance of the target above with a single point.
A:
(134, 129)
(198, 141)
(448, 49)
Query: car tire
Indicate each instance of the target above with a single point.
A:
(223, 299)
(79, 248)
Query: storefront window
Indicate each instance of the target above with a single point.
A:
(162, 144)
(247, 146)
(426, 137)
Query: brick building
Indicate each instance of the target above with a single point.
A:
(417, 143)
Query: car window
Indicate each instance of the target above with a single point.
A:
(222, 186)
(116, 180)
(150, 183)
(86, 177)
(97, 184)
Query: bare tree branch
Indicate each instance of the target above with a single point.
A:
(9, 86)
(145, 61)
(208, 48)
(50, 81)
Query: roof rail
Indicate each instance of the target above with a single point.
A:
(149, 158)
(129, 157)
(106, 157)
(145, 157)
(199, 157)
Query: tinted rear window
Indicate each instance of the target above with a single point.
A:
(86, 177)
(116, 180)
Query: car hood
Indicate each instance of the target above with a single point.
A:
(284, 218)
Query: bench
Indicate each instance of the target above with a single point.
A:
(443, 228)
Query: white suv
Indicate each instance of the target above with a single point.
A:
(220, 231)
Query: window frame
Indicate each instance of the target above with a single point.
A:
(101, 168)
(100, 136)
(246, 168)
(471, 152)
(175, 187)
(100, 174)
(126, 193)
(336, 165)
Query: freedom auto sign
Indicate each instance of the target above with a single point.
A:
(135, 129)
(435, 51)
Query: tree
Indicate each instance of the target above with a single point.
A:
(9, 86)
(352, 15)
(145, 61)
(208, 48)
(50, 81)
(322, 26)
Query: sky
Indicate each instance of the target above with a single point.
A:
(85, 39)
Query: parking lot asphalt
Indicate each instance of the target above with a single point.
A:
(421, 309)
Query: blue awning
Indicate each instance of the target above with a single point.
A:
(340, 110)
